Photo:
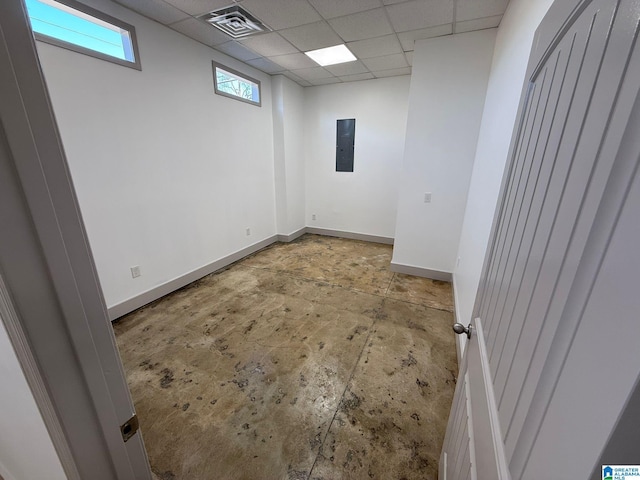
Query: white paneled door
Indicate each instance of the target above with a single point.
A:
(582, 83)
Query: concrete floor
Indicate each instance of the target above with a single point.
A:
(307, 360)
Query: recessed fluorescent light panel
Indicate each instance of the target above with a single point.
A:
(331, 55)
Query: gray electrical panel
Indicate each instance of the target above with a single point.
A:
(345, 141)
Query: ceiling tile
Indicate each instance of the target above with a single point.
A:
(392, 2)
(157, 10)
(281, 14)
(325, 81)
(477, 24)
(313, 73)
(200, 31)
(238, 51)
(375, 47)
(348, 68)
(359, 26)
(198, 7)
(386, 63)
(409, 57)
(420, 14)
(355, 78)
(312, 36)
(339, 8)
(293, 76)
(407, 39)
(305, 83)
(396, 72)
(471, 9)
(294, 61)
(265, 65)
(269, 44)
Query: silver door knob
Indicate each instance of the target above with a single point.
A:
(460, 329)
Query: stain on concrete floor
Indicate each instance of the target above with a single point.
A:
(307, 360)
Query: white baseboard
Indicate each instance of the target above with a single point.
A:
(351, 235)
(421, 272)
(292, 236)
(133, 303)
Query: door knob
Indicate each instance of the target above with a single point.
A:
(460, 329)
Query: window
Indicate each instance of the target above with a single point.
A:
(233, 84)
(72, 25)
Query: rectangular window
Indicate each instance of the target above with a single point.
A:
(74, 26)
(234, 84)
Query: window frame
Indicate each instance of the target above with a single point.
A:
(238, 74)
(81, 7)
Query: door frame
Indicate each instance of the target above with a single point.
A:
(51, 297)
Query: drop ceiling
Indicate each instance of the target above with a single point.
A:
(380, 33)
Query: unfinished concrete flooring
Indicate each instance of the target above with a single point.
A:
(307, 360)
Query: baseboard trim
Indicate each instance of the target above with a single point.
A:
(350, 235)
(292, 236)
(421, 272)
(144, 298)
(133, 303)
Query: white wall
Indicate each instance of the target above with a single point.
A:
(168, 174)
(512, 48)
(448, 87)
(363, 201)
(288, 121)
(26, 450)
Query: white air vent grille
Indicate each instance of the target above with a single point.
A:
(235, 21)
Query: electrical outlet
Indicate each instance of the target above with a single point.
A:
(135, 271)
(248, 232)
(427, 197)
(313, 217)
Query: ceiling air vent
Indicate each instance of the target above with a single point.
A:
(235, 21)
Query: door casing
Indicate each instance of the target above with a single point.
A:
(51, 280)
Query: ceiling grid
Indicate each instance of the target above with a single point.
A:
(380, 33)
